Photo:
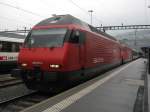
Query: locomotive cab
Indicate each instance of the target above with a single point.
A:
(49, 46)
(51, 55)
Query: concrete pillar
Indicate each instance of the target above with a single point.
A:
(149, 61)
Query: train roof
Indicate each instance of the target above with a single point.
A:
(69, 19)
(62, 20)
(11, 37)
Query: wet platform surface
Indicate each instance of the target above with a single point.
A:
(114, 91)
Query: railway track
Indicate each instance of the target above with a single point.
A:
(9, 81)
(22, 102)
(19, 103)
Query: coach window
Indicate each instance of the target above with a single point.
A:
(13, 47)
(6, 47)
(1, 45)
(18, 47)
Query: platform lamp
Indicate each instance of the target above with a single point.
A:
(148, 49)
(91, 11)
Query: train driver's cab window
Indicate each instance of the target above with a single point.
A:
(77, 37)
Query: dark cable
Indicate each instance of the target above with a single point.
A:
(18, 8)
(85, 11)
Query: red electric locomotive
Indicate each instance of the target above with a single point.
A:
(66, 49)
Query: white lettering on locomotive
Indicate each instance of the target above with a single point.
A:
(98, 60)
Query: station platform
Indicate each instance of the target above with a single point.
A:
(113, 91)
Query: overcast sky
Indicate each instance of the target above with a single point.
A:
(26, 13)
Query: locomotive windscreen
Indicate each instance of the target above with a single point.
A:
(53, 37)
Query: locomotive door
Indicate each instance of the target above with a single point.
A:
(78, 37)
(82, 49)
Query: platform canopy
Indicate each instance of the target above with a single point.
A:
(11, 37)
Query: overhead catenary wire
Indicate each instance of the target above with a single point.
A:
(12, 19)
(75, 4)
(36, 14)
(44, 3)
(21, 9)
(85, 11)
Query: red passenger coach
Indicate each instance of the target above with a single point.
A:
(127, 54)
(65, 49)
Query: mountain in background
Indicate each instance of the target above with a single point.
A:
(135, 39)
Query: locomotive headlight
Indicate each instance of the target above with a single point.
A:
(54, 66)
(24, 64)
